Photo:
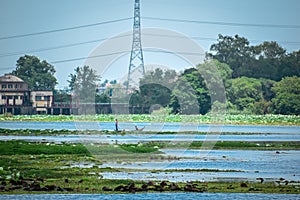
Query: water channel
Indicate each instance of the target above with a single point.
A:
(151, 196)
(156, 127)
(245, 165)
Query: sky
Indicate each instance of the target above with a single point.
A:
(67, 49)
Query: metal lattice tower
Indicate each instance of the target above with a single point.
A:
(136, 65)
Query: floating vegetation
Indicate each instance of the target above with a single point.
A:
(269, 119)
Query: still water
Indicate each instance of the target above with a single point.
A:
(130, 139)
(151, 196)
(158, 127)
(247, 166)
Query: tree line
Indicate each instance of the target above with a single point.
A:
(235, 76)
(259, 79)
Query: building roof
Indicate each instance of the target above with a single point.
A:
(10, 78)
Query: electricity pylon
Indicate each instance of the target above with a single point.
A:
(136, 64)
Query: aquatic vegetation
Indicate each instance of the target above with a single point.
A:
(26, 171)
(269, 119)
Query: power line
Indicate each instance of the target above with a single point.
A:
(88, 57)
(56, 47)
(123, 52)
(64, 29)
(224, 23)
(215, 39)
(103, 39)
(118, 53)
(48, 48)
(156, 19)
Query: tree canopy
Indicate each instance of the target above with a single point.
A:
(287, 96)
(155, 89)
(83, 83)
(244, 92)
(39, 75)
(266, 60)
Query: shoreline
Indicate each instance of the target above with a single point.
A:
(141, 187)
(62, 132)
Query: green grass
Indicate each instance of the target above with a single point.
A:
(14, 147)
(38, 132)
(21, 147)
(225, 144)
(239, 145)
(269, 119)
(138, 148)
(132, 151)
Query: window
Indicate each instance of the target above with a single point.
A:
(21, 97)
(16, 86)
(38, 98)
(3, 97)
(3, 86)
(21, 85)
(10, 97)
(16, 97)
(9, 86)
(47, 98)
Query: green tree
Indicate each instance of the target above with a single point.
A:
(83, 83)
(155, 89)
(269, 63)
(267, 60)
(263, 106)
(244, 92)
(190, 94)
(217, 77)
(234, 51)
(267, 85)
(39, 75)
(287, 96)
(291, 65)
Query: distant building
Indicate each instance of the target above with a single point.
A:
(14, 95)
(42, 101)
(16, 98)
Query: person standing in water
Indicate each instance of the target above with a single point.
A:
(116, 124)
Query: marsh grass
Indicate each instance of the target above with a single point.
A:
(48, 167)
(14, 147)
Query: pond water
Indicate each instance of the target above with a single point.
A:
(157, 127)
(151, 196)
(131, 139)
(248, 166)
